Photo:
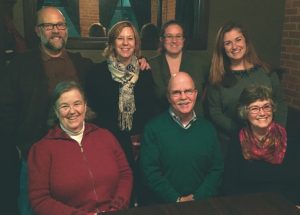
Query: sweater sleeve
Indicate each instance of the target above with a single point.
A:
(213, 179)
(9, 99)
(281, 112)
(122, 195)
(42, 202)
(214, 99)
(151, 169)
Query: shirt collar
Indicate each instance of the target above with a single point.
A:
(178, 121)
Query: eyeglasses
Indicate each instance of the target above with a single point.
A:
(171, 37)
(50, 26)
(188, 92)
(256, 109)
(67, 107)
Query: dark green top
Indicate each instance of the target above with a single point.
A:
(196, 65)
(222, 101)
(177, 161)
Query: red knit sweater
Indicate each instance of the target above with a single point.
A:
(64, 180)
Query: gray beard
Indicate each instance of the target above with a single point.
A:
(49, 46)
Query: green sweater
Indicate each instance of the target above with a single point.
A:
(177, 162)
(222, 101)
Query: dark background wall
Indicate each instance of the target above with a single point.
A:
(274, 26)
(262, 18)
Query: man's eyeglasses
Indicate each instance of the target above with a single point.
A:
(171, 37)
(50, 26)
(177, 93)
(256, 109)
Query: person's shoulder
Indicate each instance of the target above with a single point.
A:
(159, 120)
(205, 123)
(31, 54)
(91, 128)
(260, 70)
(77, 55)
(77, 58)
(51, 137)
(99, 69)
(263, 74)
(198, 56)
(101, 65)
(156, 58)
(99, 133)
(145, 75)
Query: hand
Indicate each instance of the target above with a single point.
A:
(144, 65)
(113, 209)
(187, 198)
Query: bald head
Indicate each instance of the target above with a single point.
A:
(49, 13)
(182, 95)
(51, 28)
(181, 77)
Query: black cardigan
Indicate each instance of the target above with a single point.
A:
(103, 97)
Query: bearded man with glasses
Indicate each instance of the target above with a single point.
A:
(28, 82)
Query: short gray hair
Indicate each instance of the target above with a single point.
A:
(60, 89)
(252, 94)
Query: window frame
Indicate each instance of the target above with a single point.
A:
(30, 9)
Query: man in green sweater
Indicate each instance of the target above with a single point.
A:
(180, 156)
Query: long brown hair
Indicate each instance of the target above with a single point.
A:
(220, 63)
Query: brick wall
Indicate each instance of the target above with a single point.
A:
(154, 12)
(290, 53)
(168, 10)
(89, 13)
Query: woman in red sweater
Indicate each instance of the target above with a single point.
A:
(77, 168)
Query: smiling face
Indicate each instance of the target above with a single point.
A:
(173, 40)
(71, 109)
(125, 45)
(182, 95)
(52, 41)
(260, 114)
(235, 45)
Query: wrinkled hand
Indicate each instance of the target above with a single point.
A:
(144, 65)
(187, 198)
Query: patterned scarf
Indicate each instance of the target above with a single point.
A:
(127, 76)
(270, 149)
